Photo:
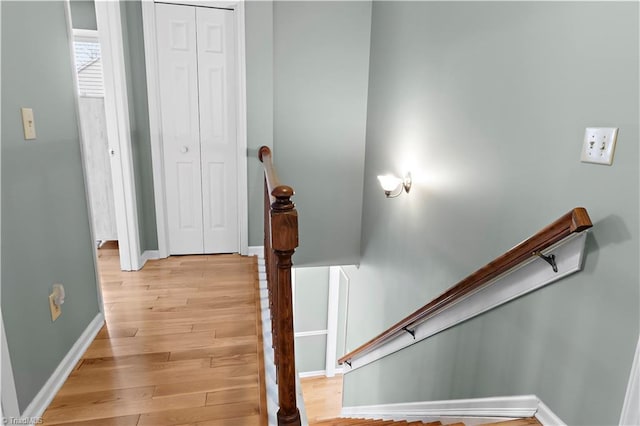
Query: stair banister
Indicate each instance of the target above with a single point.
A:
(575, 221)
(280, 242)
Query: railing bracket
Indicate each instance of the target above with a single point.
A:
(551, 259)
(411, 332)
(348, 362)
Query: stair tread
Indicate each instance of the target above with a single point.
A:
(341, 421)
(517, 422)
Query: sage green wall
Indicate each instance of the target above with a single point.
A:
(310, 314)
(45, 223)
(83, 14)
(311, 299)
(321, 63)
(259, 50)
(486, 104)
(311, 353)
(135, 70)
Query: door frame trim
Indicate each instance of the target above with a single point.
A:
(76, 100)
(155, 120)
(9, 401)
(116, 103)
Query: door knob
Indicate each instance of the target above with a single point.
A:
(184, 149)
(112, 152)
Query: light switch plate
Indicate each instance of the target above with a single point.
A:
(55, 309)
(28, 123)
(599, 145)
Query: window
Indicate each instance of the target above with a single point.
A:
(88, 64)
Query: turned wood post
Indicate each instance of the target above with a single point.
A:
(280, 242)
(284, 240)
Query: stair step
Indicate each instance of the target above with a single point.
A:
(362, 422)
(517, 422)
(340, 421)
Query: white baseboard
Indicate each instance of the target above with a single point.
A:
(470, 411)
(148, 255)
(42, 400)
(547, 417)
(307, 374)
(256, 251)
(318, 373)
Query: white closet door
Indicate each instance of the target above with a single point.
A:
(217, 74)
(177, 59)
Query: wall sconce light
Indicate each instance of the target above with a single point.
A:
(393, 185)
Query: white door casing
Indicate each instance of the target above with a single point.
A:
(109, 22)
(196, 58)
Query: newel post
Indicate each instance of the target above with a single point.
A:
(284, 240)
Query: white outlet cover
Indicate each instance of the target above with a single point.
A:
(599, 145)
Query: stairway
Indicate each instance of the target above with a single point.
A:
(348, 422)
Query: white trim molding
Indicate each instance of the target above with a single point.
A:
(118, 133)
(42, 400)
(333, 303)
(318, 373)
(256, 251)
(155, 127)
(630, 415)
(310, 333)
(9, 396)
(517, 282)
(309, 374)
(148, 255)
(89, 34)
(155, 123)
(470, 411)
(72, 33)
(547, 417)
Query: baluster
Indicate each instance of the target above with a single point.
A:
(268, 262)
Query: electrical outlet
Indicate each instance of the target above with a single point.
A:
(55, 309)
(599, 145)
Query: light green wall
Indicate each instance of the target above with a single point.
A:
(259, 49)
(486, 104)
(83, 14)
(310, 353)
(311, 299)
(321, 60)
(135, 69)
(45, 224)
(310, 314)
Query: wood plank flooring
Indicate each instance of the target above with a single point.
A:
(322, 397)
(182, 345)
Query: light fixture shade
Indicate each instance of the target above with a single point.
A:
(389, 182)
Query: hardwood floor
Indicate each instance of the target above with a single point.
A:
(322, 397)
(182, 345)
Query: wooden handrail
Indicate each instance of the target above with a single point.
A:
(280, 242)
(577, 220)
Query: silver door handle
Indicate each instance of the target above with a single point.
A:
(184, 149)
